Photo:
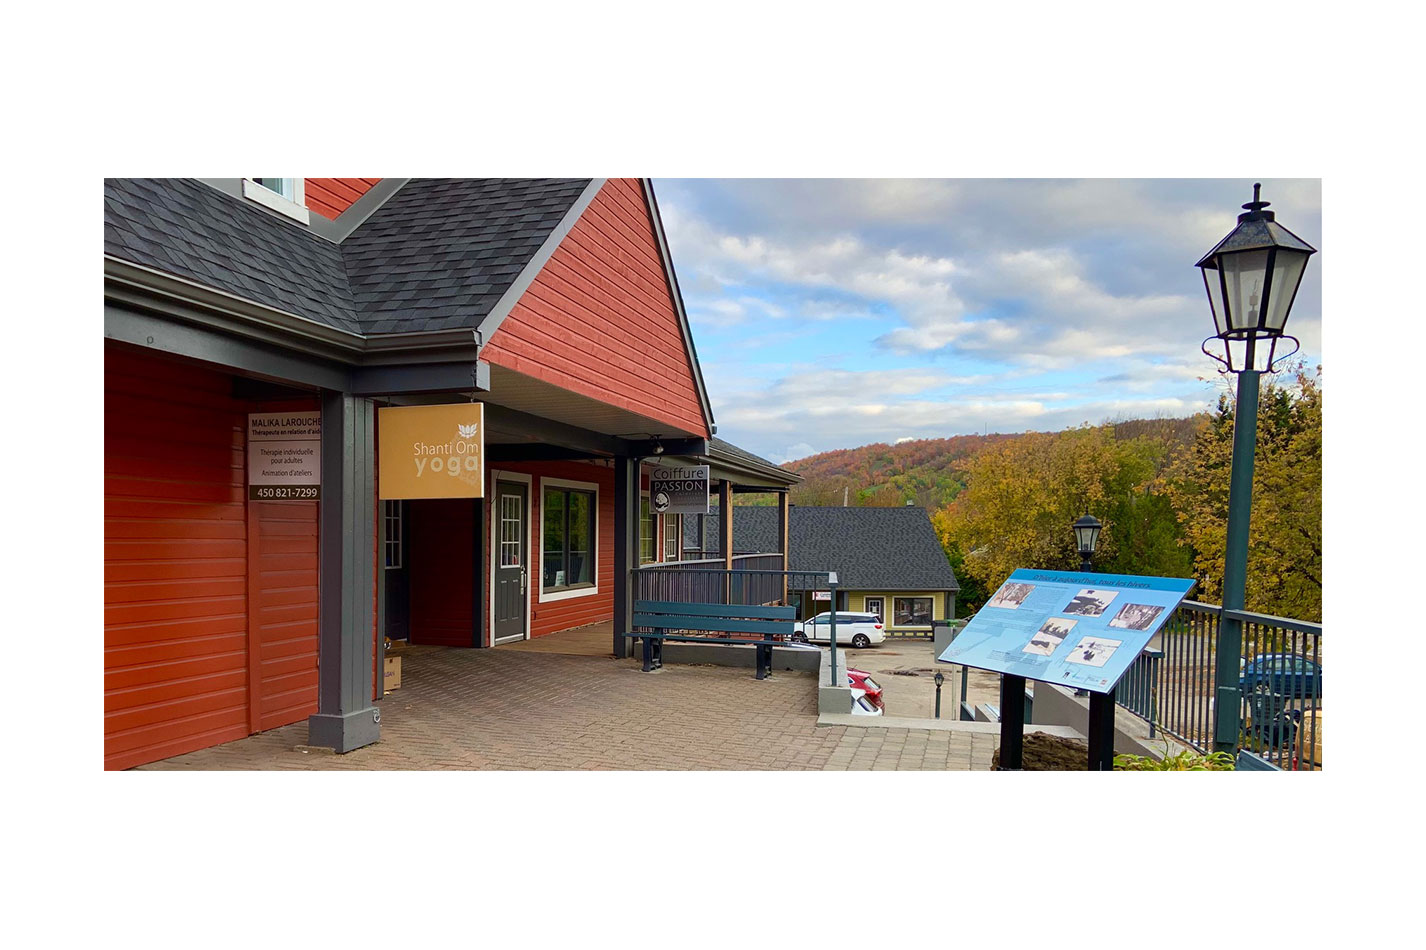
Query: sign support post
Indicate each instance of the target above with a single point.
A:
(1012, 722)
(1101, 732)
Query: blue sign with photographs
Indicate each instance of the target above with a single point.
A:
(1076, 629)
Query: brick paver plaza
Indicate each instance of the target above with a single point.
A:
(507, 709)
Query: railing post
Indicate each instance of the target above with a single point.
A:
(832, 586)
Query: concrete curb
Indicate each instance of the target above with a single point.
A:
(937, 725)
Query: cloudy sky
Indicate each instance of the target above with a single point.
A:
(834, 313)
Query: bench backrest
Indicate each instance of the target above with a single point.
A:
(718, 618)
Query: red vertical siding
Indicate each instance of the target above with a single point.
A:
(599, 319)
(175, 561)
(441, 565)
(329, 197)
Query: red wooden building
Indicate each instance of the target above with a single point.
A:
(551, 302)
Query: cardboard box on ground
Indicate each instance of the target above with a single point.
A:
(391, 673)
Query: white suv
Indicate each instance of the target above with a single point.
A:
(860, 630)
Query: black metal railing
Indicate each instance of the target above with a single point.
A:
(700, 582)
(1280, 684)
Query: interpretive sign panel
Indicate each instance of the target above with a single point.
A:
(1076, 629)
(431, 451)
(680, 490)
(284, 456)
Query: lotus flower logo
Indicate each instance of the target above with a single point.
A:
(468, 432)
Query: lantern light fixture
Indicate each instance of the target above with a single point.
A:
(1252, 277)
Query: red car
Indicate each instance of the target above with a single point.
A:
(860, 679)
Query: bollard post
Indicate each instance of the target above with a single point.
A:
(940, 678)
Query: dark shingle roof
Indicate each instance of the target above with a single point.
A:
(442, 251)
(869, 548)
(437, 255)
(188, 229)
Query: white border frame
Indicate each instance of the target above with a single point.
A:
(559, 595)
(495, 476)
(295, 207)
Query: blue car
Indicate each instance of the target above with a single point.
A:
(1281, 674)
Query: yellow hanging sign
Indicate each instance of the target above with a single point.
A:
(432, 451)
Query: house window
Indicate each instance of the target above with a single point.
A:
(912, 611)
(283, 195)
(569, 539)
(391, 513)
(876, 605)
(672, 536)
(646, 531)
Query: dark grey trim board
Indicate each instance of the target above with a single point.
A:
(491, 321)
(420, 378)
(284, 365)
(194, 342)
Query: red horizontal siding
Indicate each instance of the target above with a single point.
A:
(599, 319)
(175, 676)
(329, 197)
(284, 611)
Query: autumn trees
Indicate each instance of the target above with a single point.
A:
(1285, 537)
(1164, 504)
(1160, 486)
(1022, 495)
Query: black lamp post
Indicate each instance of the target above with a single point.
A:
(1251, 277)
(1086, 538)
(1101, 705)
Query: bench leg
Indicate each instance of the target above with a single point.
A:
(648, 653)
(658, 653)
(763, 662)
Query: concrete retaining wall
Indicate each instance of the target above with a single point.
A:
(736, 654)
(1057, 706)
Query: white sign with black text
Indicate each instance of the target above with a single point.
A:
(679, 490)
(284, 456)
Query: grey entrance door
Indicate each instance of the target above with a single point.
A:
(511, 560)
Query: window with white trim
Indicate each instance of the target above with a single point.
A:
(283, 195)
(672, 536)
(646, 531)
(569, 532)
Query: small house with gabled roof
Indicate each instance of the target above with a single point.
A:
(888, 560)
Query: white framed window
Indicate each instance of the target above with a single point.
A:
(283, 195)
(569, 518)
(672, 537)
(646, 530)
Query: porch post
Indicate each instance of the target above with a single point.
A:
(346, 530)
(782, 535)
(626, 547)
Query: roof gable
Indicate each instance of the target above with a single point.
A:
(441, 252)
(602, 316)
(869, 548)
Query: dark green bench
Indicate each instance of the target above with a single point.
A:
(692, 623)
